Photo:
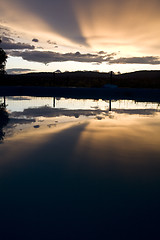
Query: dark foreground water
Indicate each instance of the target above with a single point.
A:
(79, 169)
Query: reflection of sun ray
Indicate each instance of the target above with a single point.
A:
(84, 143)
(106, 140)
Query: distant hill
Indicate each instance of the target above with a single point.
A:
(139, 79)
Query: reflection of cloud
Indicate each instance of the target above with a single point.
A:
(136, 111)
(99, 117)
(36, 126)
(9, 43)
(55, 112)
(14, 121)
(21, 98)
(46, 111)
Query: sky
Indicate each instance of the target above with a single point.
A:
(87, 35)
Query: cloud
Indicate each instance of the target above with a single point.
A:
(48, 57)
(137, 60)
(35, 40)
(4, 31)
(19, 70)
(101, 52)
(51, 42)
(10, 44)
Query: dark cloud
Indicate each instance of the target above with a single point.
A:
(58, 71)
(48, 56)
(101, 52)
(4, 31)
(9, 44)
(52, 43)
(35, 40)
(18, 70)
(137, 60)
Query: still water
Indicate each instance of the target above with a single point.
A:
(79, 169)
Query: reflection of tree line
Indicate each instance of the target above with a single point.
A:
(4, 119)
(4, 116)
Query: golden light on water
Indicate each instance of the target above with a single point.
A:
(129, 140)
(121, 141)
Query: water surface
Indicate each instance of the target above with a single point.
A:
(79, 169)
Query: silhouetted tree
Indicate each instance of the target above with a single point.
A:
(4, 119)
(3, 59)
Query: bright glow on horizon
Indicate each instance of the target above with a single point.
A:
(16, 63)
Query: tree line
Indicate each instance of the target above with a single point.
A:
(3, 60)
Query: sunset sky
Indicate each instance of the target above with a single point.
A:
(70, 35)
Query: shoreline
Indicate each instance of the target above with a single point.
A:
(137, 94)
